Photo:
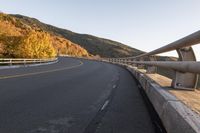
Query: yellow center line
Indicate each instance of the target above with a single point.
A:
(42, 72)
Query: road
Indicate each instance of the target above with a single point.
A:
(72, 96)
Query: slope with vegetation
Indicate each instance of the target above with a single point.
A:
(19, 39)
(94, 45)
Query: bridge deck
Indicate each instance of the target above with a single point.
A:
(71, 96)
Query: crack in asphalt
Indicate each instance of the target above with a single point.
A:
(96, 121)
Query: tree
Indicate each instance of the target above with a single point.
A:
(9, 45)
(36, 45)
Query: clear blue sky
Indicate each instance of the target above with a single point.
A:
(142, 24)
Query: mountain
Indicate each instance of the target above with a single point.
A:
(94, 45)
(27, 40)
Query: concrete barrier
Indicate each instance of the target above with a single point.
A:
(174, 114)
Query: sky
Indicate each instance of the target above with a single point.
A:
(142, 24)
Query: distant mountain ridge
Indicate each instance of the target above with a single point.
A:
(94, 45)
(17, 37)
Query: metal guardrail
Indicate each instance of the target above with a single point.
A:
(186, 68)
(22, 61)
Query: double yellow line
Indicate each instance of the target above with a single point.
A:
(42, 72)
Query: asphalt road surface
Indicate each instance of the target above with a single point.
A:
(72, 96)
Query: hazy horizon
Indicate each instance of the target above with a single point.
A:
(139, 24)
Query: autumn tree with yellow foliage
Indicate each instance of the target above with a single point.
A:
(33, 45)
(36, 45)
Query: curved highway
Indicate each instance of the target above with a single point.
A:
(72, 96)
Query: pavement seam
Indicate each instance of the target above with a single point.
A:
(105, 104)
(96, 121)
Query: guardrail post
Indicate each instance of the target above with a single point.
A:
(185, 80)
(140, 66)
(124, 61)
(120, 61)
(151, 69)
(24, 62)
(133, 64)
(10, 62)
(128, 63)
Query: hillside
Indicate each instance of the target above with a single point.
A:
(23, 40)
(94, 45)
